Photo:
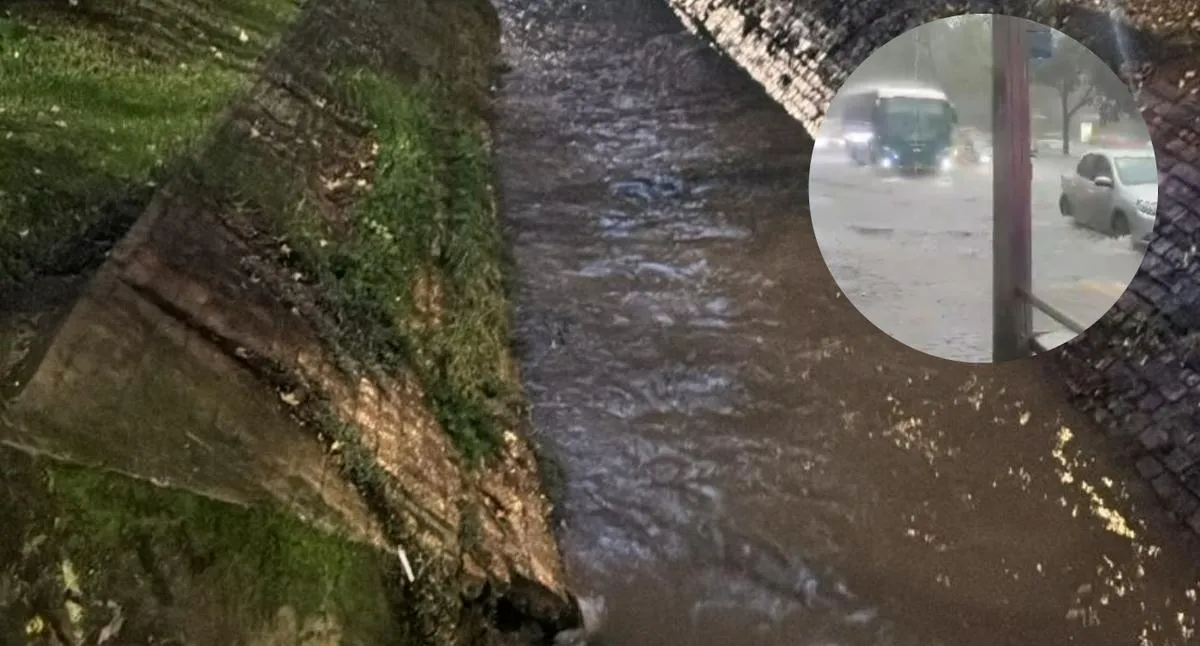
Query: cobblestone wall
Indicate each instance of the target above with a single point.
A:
(1137, 371)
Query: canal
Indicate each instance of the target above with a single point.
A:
(748, 460)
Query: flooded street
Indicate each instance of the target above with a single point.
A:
(914, 254)
(748, 460)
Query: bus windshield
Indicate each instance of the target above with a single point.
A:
(916, 118)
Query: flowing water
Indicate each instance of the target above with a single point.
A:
(748, 460)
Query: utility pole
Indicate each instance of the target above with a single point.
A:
(1012, 175)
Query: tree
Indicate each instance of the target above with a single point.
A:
(954, 53)
(962, 62)
(1113, 99)
(894, 61)
(1069, 73)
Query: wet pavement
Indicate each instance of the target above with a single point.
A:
(914, 254)
(749, 460)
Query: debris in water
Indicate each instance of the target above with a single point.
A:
(593, 611)
(861, 617)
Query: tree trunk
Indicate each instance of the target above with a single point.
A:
(931, 63)
(1063, 91)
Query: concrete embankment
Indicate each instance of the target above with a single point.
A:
(283, 409)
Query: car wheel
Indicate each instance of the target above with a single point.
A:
(1064, 206)
(1119, 225)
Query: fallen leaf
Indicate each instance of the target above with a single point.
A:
(114, 625)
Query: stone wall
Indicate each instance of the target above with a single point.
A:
(1137, 371)
(196, 360)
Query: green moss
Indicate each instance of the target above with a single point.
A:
(427, 609)
(414, 273)
(248, 561)
(95, 100)
(430, 217)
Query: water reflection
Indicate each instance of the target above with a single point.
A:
(749, 460)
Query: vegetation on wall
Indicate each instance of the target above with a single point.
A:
(96, 100)
(412, 266)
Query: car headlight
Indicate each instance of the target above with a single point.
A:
(985, 158)
(1148, 207)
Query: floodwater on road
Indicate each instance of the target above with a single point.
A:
(749, 461)
(914, 254)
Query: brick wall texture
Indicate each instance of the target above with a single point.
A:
(194, 345)
(1137, 371)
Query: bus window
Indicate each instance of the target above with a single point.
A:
(850, 111)
(917, 116)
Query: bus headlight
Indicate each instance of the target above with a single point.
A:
(946, 163)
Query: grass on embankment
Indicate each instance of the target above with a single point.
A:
(414, 268)
(96, 99)
(173, 561)
(428, 261)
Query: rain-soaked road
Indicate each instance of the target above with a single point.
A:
(914, 254)
(749, 460)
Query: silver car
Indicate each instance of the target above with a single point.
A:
(1114, 192)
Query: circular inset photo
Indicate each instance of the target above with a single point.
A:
(922, 165)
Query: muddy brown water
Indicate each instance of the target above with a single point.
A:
(748, 460)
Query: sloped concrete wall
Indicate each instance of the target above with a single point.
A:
(1137, 371)
(195, 360)
(127, 386)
